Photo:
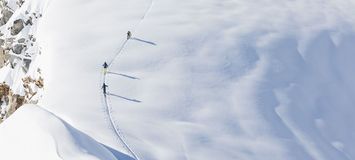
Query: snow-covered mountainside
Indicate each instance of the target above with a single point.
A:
(54, 139)
(196, 80)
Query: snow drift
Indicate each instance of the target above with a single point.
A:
(34, 133)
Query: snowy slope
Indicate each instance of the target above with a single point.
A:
(211, 79)
(38, 134)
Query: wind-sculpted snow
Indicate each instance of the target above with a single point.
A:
(210, 79)
(34, 133)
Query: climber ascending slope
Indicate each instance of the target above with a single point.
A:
(129, 35)
(104, 87)
(105, 65)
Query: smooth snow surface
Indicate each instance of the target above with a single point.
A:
(203, 79)
(34, 133)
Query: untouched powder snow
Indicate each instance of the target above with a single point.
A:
(198, 80)
(34, 133)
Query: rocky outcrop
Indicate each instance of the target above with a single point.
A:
(18, 51)
(22, 40)
(31, 85)
(2, 42)
(18, 48)
(20, 3)
(29, 21)
(15, 101)
(6, 15)
(4, 57)
(17, 27)
(4, 92)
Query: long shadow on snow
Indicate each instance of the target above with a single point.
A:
(125, 98)
(78, 134)
(124, 75)
(117, 154)
(81, 138)
(144, 41)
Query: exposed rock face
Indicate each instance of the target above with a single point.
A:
(30, 86)
(29, 21)
(6, 16)
(4, 57)
(17, 49)
(22, 40)
(4, 90)
(17, 27)
(15, 101)
(20, 3)
(27, 63)
(2, 42)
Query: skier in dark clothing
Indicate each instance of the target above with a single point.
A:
(105, 65)
(129, 35)
(104, 87)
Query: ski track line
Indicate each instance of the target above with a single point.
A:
(108, 108)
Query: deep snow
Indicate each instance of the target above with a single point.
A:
(38, 134)
(226, 79)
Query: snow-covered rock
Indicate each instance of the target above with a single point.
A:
(17, 27)
(21, 53)
(6, 15)
(17, 48)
